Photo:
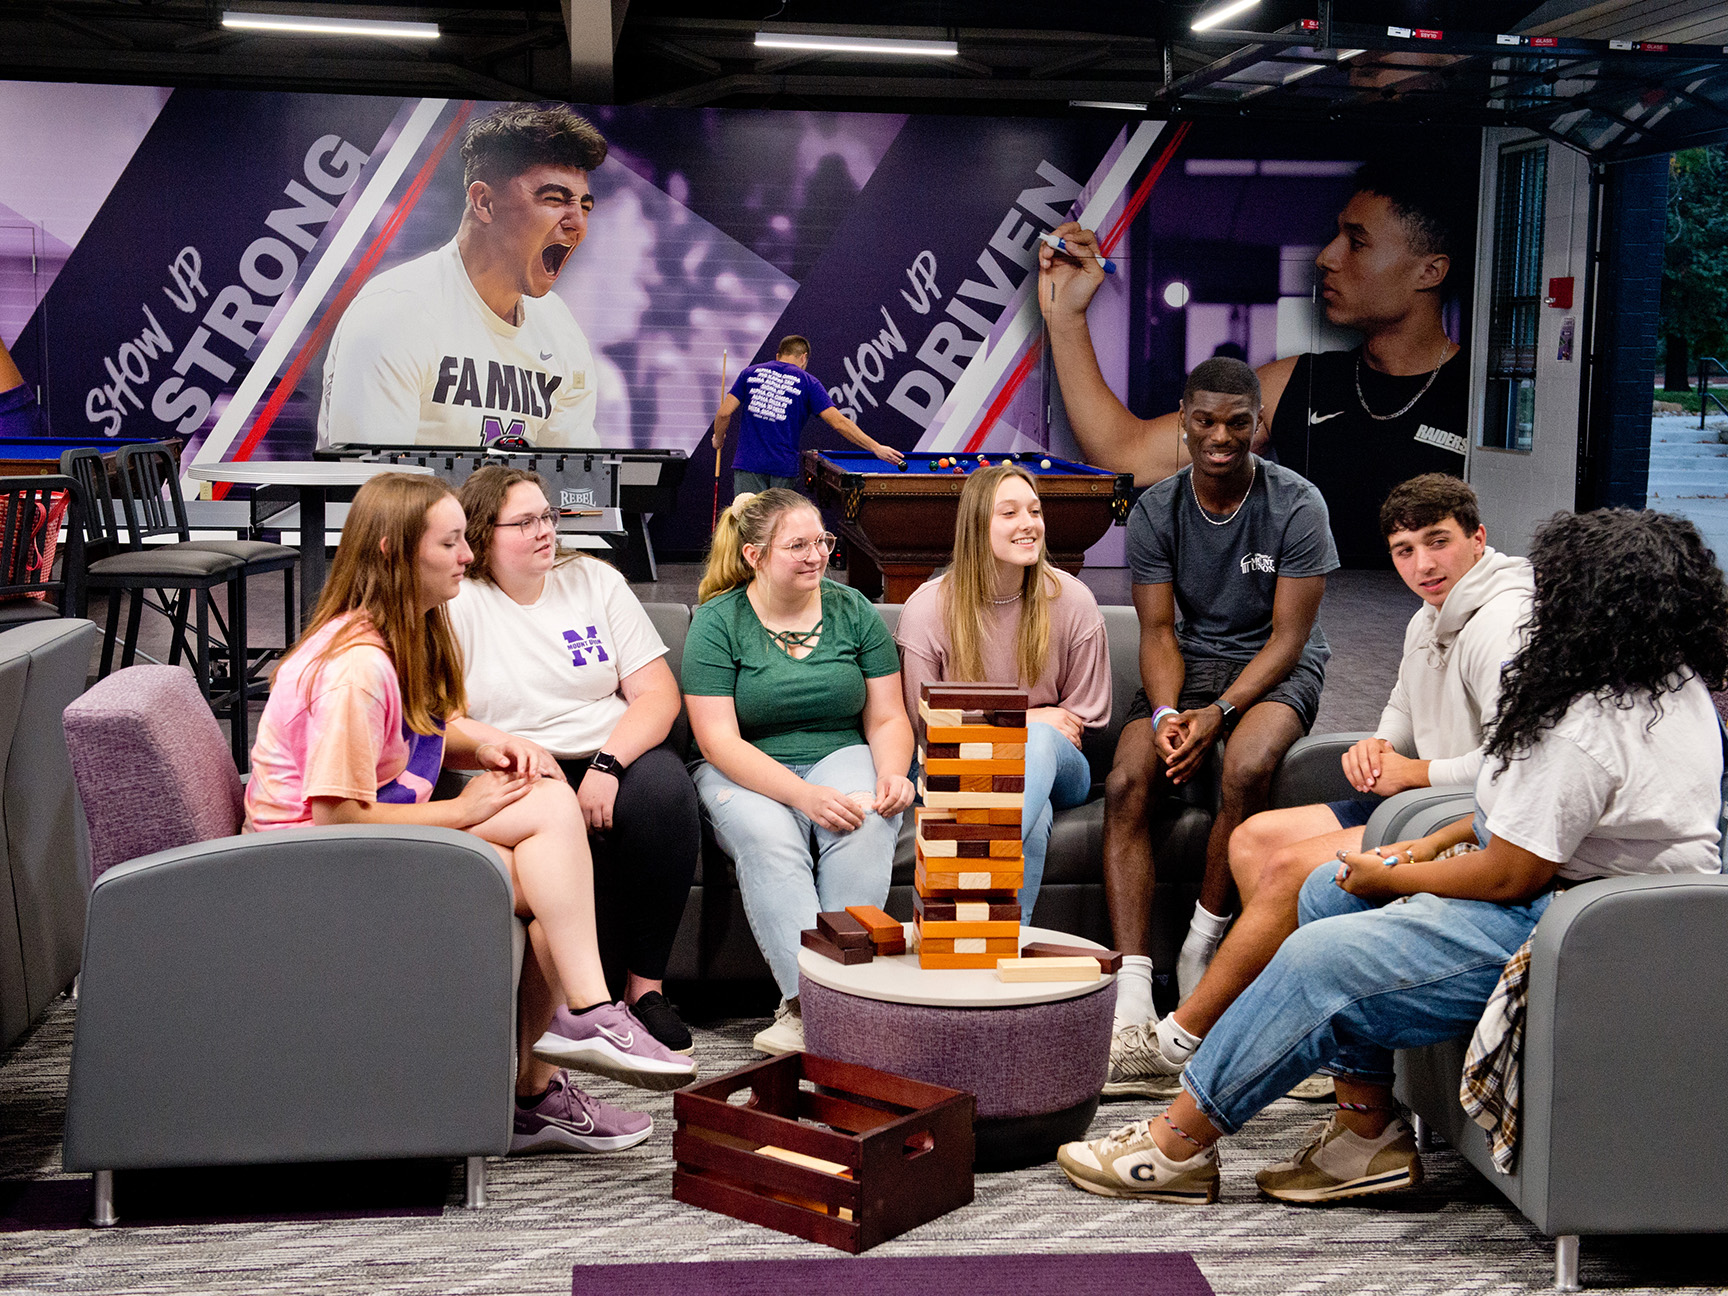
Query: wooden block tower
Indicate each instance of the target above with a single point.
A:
(970, 863)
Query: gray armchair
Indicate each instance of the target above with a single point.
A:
(304, 995)
(1622, 971)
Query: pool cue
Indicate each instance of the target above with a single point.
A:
(716, 519)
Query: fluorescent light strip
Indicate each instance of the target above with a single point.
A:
(857, 44)
(307, 24)
(1107, 103)
(1206, 22)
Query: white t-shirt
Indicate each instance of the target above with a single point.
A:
(419, 359)
(1609, 794)
(550, 671)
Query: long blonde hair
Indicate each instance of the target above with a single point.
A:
(376, 573)
(970, 583)
(752, 520)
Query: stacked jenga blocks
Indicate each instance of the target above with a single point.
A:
(970, 864)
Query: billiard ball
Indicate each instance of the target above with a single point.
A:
(1043, 463)
(982, 459)
(903, 465)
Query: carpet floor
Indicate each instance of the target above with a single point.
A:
(1454, 1234)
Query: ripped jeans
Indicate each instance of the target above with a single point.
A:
(789, 868)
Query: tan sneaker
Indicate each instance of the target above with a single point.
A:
(1127, 1163)
(1341, 1164)
(1316, 1088)
(1138, 1067)
(785, 1035)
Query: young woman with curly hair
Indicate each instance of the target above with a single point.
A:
(1605, 759)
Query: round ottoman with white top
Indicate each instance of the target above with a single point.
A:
(1033, 1053)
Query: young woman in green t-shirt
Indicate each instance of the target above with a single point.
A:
(793, 688)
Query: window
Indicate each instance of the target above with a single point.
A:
(1515, 307)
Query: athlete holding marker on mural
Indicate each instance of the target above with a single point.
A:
(1354, 422)
(468, 345)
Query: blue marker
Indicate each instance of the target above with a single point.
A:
(1061, 245)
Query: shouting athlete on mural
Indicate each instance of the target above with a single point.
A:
(1353, 422)
(468, 345)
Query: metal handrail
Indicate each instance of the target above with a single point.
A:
(1705, 398)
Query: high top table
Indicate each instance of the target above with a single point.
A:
(314, 479)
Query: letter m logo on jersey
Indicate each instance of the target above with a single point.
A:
(580, 644)
(492, 429)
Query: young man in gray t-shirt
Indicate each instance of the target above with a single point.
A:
(1241, 547)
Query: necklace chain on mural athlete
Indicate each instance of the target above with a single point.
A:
(1253, 468)
(1385, 418)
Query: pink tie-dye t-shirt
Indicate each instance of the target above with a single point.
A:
(345, 737)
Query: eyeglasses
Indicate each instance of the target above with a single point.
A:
(547, 521)
(825, 542)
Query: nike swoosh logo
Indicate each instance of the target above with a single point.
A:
(586, 1126)
(545, 355)
(1313, 418)
(623, 1041)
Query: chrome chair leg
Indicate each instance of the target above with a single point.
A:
(1566, 1263)
(102, 1214)
(477, 1182)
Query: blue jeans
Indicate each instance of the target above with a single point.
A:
(1057, 776)
(790, 869)
(1354, 982)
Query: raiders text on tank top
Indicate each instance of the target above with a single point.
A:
(1322, 431)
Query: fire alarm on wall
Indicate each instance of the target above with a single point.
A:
(1560, 293)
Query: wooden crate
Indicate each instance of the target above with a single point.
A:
(906, 1146)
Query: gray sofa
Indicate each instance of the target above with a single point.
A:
(714, 943)
(44, 848)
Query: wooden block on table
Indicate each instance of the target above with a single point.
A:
(948, 849)
(885, 948)
(880, 926)
(1000, 816)
(1108, 960)
(946, 880)
(935, 929)
(813, 939)
(935, 735)
(969, 945)
(957, 696)
(995, 908)
(843, 929)
(931, 959)
(1048, 969)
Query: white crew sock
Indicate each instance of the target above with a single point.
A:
(1205, 932)
(1133, 992)
(1175, 1041)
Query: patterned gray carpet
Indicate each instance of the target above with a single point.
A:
(1454, 1235)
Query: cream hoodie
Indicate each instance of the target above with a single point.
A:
(1449, 681)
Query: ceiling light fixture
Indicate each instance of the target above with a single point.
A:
(317, 25)
(891, 45)
(1207, 21)
(1111, 104)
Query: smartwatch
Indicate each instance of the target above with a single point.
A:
(602, 762)
(1231, 715)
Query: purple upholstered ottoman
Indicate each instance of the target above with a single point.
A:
(1034, 1054)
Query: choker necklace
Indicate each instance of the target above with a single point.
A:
(1253, 468)
(1000, 602)
(1384, 418)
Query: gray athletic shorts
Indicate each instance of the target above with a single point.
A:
(1205, 679)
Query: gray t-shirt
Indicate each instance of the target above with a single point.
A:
(1225, 577)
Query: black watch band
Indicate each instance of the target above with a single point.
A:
(603, 762)
(1231, 714)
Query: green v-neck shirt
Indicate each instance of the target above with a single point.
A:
(796, 711)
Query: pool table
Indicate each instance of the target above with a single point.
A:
(33, 456)
(899, 526)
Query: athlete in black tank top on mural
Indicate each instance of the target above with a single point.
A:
(1355, 423)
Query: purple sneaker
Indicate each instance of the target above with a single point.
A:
(609, 1041)
(567, 1119)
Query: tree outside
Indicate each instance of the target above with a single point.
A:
(1695, 264)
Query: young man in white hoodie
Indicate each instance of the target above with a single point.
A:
(1475, 601)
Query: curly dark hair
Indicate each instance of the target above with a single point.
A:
(512, 140)
(1627, 605)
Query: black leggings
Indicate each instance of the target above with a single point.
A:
(644, 866)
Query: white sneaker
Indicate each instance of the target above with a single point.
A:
(1138, 1066)
(786, 1035)
(1127, 1163)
